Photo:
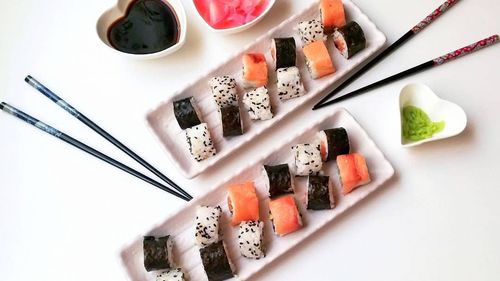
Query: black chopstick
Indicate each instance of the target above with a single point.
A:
(407, 36)
(68, 139)
(73, 111)
(426, 65)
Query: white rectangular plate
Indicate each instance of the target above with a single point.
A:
(181, 224)
(165, 127)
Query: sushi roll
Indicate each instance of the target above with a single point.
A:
(207, 225)
(319, 193)
(353, 171)
(250, 239)
(318, 59)
(254, 70)
(279, 179)
(231, 121)
(333, 142)
(283, 52)
(284, 215)
(307, 159)
(311, 31)
(157, 252)
(200, 143)
(186, 113)
(350, 39)
(216, 262)
(224, 91)
(258, 104)
(332, 14)
(243, 202)
(289, 83)
(171, 275)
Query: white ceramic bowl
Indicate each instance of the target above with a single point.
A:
(119, 10)
(437, 109)
(236, 29)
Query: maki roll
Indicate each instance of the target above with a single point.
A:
(207, 225)
(279, 179)
(250, 239)
(171, 275)
(319, 193)
(216, 263)
(258, 104)
(332, 14)
(157, 252)
(333, 142)
(318, 59)
(254, 70)
(353, 171)
(200, 143)
(307, 159)
(224, 91)
(350, 39)
(311, 31)
(231, 121)
(243, 202)
(283, 52)
(284, 215)
(186, 113)
(289, 83)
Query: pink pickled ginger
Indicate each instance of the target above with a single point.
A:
(223, 14)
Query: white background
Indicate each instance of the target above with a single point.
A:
(65, 215)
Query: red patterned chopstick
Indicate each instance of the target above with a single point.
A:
(426, 65)
(407, 36)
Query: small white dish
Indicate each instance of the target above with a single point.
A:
(120, 9)
(437, 109)
(236, 29)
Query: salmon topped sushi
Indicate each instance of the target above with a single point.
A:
(353, 171)
(254, 70)
(243, 202)
(284, 214)
(332, 14)
(318, 59)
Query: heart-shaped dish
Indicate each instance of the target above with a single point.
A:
(108, 18)
(437, 109)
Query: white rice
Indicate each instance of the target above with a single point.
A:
(258, 104)
(307, 159)
(175, 274)
(207, 225)
(224, 91)
(250, 239)
(311, 31)
(289, 84)
(200, 143)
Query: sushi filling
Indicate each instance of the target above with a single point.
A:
(186, 113)
(279, 179)
(333, 142)
(258, 104)
(307, 159)
(319, 193)
(216, 263)
(171, 275)
(207, 225)
(250, 239)
(200, 142)
(157, 253)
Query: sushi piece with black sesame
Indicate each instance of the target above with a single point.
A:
(186, 113)
(307, 159)
(207, 225)
(250, 239)
(175, 274)
(199, 142)
(224, 91)
(289, 83)
(157, 252)
(216, 263)
(258, 104)
(311, 31)
(319, 193)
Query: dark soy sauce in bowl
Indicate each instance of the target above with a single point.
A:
(149, 26)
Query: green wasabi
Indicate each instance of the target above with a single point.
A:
(417, 125)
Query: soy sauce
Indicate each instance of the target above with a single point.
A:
(149, 26)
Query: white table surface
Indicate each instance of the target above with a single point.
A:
(65, 215)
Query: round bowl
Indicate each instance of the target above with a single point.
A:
(120, 9)
(437, 109)
(236, 29)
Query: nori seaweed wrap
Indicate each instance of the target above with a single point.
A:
(349, 39)
(186, 113)
(334, 142)
(157, 253)
(215, 262)
(231, 121)
(283, 50)
(280, 180)
(319, 193)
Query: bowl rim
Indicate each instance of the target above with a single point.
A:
(236, 28)
(180, 12)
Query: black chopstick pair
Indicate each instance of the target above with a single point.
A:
(426, 65)
(179, 192)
